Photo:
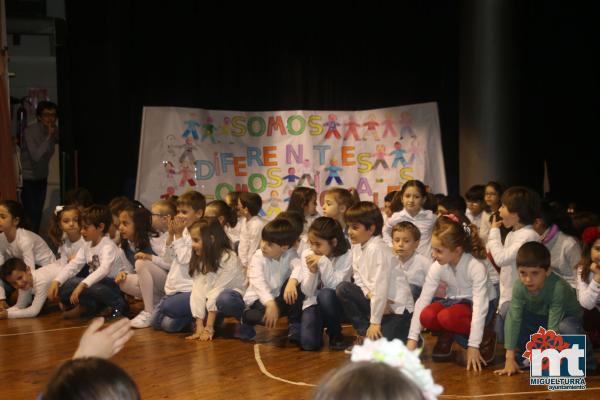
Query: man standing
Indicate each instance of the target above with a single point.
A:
(36, 150)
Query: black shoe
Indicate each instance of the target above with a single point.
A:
(294, 338)
(337, 343)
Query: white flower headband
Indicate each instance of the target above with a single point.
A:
(395, 354)
(58, 209)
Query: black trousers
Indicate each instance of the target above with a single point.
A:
(33, 197)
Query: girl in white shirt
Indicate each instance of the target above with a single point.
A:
(588, 283)
(148, 282)
(491, 196)
(459, 281)
(226, 215)
(413, 196)
(16, 242)
(324, 266)
(558, 235)
(337, 201)
(217, 274)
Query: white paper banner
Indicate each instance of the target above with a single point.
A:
(270, 153)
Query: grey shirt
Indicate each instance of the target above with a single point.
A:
(36, 151)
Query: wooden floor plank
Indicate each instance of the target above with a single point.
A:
(166, 366)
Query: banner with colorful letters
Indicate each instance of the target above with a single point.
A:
(272, 152)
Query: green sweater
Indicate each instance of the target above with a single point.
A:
(556, 300)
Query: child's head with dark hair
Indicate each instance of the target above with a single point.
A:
(520, 206)
(387, 203)
(45, 105)
(249, 204)
(280, 231)
(591, 252)
(553, 217)
(533, 266)
(295, 218)
(452, 205)
(304, 201)
(12, 216)
(405, 239)
(475, 199)
(326, 238)
(162, 212)
(492, 196)
(584, 219)
(65, 221)
(336, 202)
(412, 197)
(116, 205)
(17, 274)
(135, 225)
(219, 209)
(209, 243)
(453, 235)
(367, 380)
(364, 221)
(190, 207)
(95, 222)
(91, 379)
(80, 197)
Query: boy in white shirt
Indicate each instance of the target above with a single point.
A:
(379, 302)
(249, 205)
(16, 273)
(520, 207)
(405, 241)
(268, 273)
(475, 201)
(173, 312)
(105, 260)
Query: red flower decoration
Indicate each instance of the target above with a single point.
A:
(590, 234)
(545, 339)
(451, 217)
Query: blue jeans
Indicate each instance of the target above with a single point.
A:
(331, 311)
(311, 329)
(358, 308)
(104, 293)
(173, 313)
(231, 304)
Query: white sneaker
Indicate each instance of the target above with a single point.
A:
(142, 320)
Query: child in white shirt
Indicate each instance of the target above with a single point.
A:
(217, 274)
(16, 242)
(379, 302)
(405, 241)
(588, 283)
(173, 313)
(249, 206)
(459, 281)
(105, 260)
(268, 274)
(324, 266)
(413, 196)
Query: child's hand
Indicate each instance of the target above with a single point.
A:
(290, 294)
(178, 226)
(106, 342)
(411, 344)
(595, 268)
(369, 295)
(374, 332)
(510, 367)
(3, 305)
(75, 294)
(121, 276)
(207, 334)
(198, 332)
(143, 256)
(496, 223)
(53, 290)
(474, 359)
(271, 314)
(312, 262)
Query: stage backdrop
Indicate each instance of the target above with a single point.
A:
(270, 153)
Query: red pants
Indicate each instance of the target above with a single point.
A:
(455, 318)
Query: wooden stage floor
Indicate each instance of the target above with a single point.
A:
(165, 366)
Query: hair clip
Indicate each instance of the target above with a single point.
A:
(466, 228)
(451, 217)
(58, 209)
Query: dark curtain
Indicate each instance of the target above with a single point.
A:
(127, 54)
